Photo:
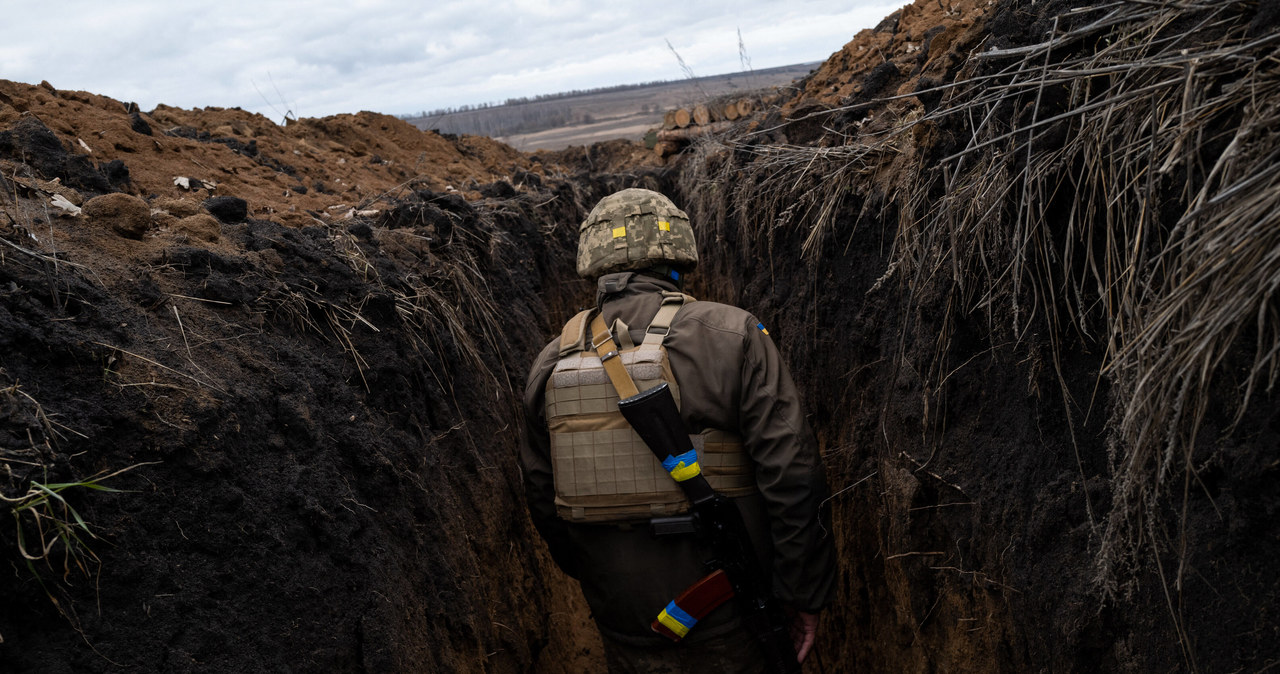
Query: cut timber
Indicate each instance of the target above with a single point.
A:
(716, 109)
(692, 132)
(745, 106)
(683, 117)
(669, 120)
(731, 111)
(701, 114)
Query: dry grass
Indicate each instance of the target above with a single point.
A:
(441, 289)
(1136, 210)
(1117, 184)
(778, 187)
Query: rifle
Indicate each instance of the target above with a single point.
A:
(737, 571)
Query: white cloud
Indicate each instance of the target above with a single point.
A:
(400, 57)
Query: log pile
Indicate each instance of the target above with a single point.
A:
(682, 125)
(703, 114)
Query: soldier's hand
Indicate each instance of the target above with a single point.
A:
(804, 627)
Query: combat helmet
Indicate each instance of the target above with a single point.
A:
(635, 229)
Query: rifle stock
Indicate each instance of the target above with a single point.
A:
(656, 419)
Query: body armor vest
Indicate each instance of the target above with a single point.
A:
(603, 471)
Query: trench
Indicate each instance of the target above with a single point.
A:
(325, 416)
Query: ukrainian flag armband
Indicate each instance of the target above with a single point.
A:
(682, 467)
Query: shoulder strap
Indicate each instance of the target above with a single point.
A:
(605, 347)
(622, 334)
(573, 337)
(661, 323)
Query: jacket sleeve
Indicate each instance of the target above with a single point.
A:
(535, 463)
(789, 473)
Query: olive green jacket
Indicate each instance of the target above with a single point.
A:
(731, 377)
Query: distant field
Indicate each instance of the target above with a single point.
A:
(586, 118)
(631, 127)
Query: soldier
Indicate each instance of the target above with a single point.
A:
(593, 486)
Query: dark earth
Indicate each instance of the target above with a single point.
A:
(300, 376)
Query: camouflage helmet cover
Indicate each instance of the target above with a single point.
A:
(634, 229)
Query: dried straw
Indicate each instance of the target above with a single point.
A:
(1116, 185)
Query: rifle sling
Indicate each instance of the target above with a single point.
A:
(695, 488)
(607, 349)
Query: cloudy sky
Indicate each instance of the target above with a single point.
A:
(321, 58)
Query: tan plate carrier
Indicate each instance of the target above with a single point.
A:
(602, 469)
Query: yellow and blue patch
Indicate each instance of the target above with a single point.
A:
(760, 327)
(682, 467)
(677, 620)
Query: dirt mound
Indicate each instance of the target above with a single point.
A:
(917, 47)
(294, 349)
(292, 174)
(607, 157)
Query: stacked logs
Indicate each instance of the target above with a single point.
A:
(706, 113)
(681, 125)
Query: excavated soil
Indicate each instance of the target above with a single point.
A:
(304, 344)
(315, 389)
(916, 47)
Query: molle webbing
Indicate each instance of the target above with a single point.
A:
(603, 471)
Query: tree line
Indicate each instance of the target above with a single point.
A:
(502, 120)
(524, 100)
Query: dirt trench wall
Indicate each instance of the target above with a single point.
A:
(967, 514)
(323, 430)
(307, 396)
(974, 452)
(959, 513)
